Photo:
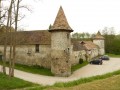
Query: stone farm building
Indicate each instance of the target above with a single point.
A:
(54, 48)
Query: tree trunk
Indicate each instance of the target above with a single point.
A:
(10, 57)
(9, 21)
(4, 59)
(14, 43)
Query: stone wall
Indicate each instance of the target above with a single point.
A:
(101, 51)
(25, 54)
(94, 52)
(100, 43)
(60, 46)
(76, 55)
(60, 40)
(61, 59)
(60, 65)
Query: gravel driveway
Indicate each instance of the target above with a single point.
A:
(87, 71)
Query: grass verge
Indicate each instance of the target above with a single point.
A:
(7, 83)
(32, 69)
(113, 55)
(42, 70)
(78, 82)
(85, 80)
(75, 67)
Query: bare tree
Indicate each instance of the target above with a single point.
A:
(10, 25)
(16, 16)
(16, 10)
(12, 18)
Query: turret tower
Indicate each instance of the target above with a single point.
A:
(99, 40)
(60, 45)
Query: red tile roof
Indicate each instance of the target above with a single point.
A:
(61, 22)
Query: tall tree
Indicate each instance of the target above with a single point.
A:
(10, 29)
(16, 10)
(14, 43)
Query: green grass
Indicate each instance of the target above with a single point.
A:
(36, 69)
(33, 69)
(61, 85)
(85, 80)
(111, 83)
(43, 71)
(7, 83)
(78, 66)
(113, 55)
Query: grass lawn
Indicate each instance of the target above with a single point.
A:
(75, 67)
(7, 83)
(33, 69)
(113, 55)
(41, 70)
(85, 80)
(111, 83)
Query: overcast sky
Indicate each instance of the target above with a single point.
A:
(82, 15)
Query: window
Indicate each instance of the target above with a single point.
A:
(29, 52)
(37, 48)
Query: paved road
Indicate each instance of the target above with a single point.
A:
(86, 71)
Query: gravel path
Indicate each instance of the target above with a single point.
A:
(87, 71)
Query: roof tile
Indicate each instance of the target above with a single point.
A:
(61, 22)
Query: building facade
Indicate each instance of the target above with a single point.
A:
(54, 48)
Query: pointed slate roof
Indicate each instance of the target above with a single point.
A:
(61, 22)
(98, 36)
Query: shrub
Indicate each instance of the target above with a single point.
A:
(80, 61)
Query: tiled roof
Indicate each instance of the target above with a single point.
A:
(89, 45)
(61, 22)
(83, 45)
(77, 46)
(98, 36)
(29, 37)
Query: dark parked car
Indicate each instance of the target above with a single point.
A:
(105, 57)
(96, 61)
